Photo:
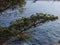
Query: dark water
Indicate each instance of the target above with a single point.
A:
(46, 34)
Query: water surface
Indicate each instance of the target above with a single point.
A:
(45, 34)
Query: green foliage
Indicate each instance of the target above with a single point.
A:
(33, 18)
(18, 2)
(5, 4)
(23, 23)
(23, 36)
(4, 31)
(52, 18)
(20, 23)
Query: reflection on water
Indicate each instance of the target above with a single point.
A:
(46, 34)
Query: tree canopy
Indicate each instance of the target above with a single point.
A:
(5, 4)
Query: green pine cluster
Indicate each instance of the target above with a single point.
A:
(24, 23)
